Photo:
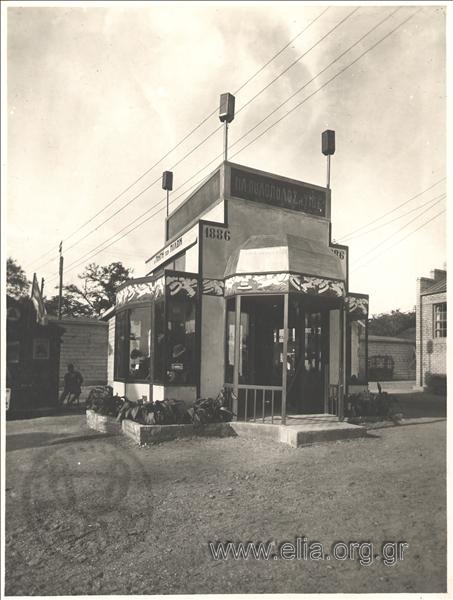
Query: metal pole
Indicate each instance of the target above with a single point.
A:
(42, 286)
(60, 292)
(328, 171)
(168, 201)
(237, 350)
(285, 355)
(342, 381)
(225, 149)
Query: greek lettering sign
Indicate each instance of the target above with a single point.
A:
(275, 192)
(181, 243)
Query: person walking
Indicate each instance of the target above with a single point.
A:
(72, 386)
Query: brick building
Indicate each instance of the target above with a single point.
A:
(84, 344)
(431, 328)
(396, 354)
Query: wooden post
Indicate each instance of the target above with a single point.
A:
(237, 349)
(60, 291)
(285, 355)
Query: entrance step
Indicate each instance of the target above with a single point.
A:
(302, 430)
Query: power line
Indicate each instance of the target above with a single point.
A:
(215, 159)
(298, 59)
(398, 230)
(351, 234)
(276, 122)
(241, 87)
(441, 196)
(210, 134)
(325, 84)
(399, 241)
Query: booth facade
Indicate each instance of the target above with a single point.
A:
(248, 295)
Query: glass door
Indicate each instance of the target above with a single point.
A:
(314, 360)
(307, 357)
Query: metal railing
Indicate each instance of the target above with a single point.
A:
(333, 399)
(254, 402)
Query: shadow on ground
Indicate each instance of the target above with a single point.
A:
(21, 441)
(422, 404)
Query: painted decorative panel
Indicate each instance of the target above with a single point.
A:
(159, 287)
(317, 286)
(213, 287)
(357, 306)
(272, 283)
(177, 284)
(135, 292)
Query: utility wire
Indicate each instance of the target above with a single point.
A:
(286, 114)
(241, 87)
(382, 242)
(441, 196)
(297, 92)
(210, 134)
(399, 241)
(328, 81)
(352, 233)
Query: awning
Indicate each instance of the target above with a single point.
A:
(284, 254)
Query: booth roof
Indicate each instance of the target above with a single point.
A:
(284, 253)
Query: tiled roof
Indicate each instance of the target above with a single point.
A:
(436, 288)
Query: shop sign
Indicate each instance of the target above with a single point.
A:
(276, 192)
(181, 243)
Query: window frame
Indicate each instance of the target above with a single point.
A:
(154, 378)
(196, 358)
(440, 325)
(129, 309)
(126, 310)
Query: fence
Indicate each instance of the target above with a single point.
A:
(255, 402)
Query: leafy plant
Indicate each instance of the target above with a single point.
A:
(365, 404)
(436, 383)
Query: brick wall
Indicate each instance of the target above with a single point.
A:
(435, 362)
(85, 345)
(402, 351)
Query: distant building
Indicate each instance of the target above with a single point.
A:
(32, 358)
(392, 358)
(431, 328)
(84, 344)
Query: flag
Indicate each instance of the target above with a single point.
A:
(41, 313)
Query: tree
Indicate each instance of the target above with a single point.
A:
(17, 284)
(391, 324)
(97, 294)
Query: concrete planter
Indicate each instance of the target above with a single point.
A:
(147, 434)
(102, 423)
(324, 428)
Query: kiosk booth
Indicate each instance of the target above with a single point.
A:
(248, 295)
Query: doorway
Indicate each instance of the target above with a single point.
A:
(308, 336)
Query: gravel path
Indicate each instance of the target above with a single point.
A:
(93, 514)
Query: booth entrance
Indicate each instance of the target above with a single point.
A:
(308, 355)
(265, 358)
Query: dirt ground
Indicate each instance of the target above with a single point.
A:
(89, 513)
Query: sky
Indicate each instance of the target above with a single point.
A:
(98, 95)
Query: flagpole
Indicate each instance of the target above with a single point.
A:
(60, 293)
